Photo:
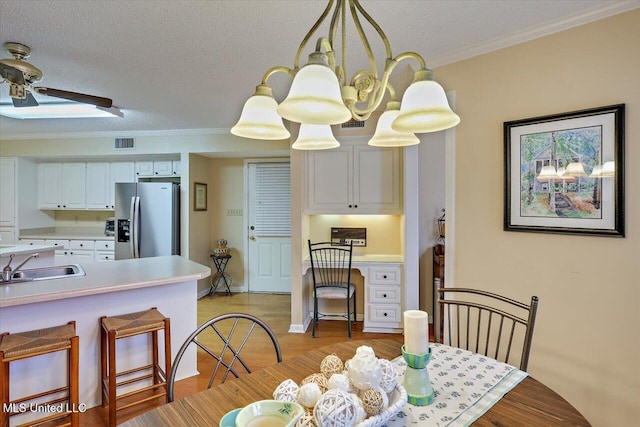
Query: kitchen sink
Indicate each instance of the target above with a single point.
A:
(47, 273)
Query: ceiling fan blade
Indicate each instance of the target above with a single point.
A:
(29, 101)
(75, 96)
(11, 74)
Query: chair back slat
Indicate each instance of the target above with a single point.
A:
(471, 316)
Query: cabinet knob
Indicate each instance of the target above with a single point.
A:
(64, 206)
(384, 295)
(106, 206)
(58, 205)
(355, 206)
(156, 173)
(81, 245)
(384, 277)
(350, 206)
(385, 315)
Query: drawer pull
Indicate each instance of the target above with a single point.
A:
(384, 277)
(384, 295)
(385, 315)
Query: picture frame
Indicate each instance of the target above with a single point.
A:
(564, 173)
(199, 196)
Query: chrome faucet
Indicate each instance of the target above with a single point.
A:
(7, 272)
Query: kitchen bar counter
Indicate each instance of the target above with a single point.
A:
(66, 233)
(7, 250)
(105, 277)
(109, 288)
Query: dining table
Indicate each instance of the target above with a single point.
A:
(523, 402)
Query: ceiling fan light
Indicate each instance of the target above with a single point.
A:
(59, 110)
(315, 137)
(259, 119)
(386, 136)
(314, 97)
(425, 109)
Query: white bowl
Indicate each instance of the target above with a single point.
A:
(269, 413)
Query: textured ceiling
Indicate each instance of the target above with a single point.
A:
(191, 64)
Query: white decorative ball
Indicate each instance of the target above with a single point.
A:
(308, 394)
(365, 351)
(306, 420)
(362, 414)
(336, 408)
(389, 378)
(340, 382)
(364, 370)
(286, 391)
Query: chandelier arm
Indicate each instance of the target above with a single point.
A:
(277, 69)
(378, 94)
(374, 24)
(363, 37)
(414, 55)
(310, 33)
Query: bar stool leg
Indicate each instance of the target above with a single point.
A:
(4, 389)
(103, 362)
(74, 395)
(154, 353)
(112, 378)
(167, 356)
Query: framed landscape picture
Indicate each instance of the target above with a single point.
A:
(564, 173)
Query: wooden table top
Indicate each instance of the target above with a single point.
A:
(530, 403)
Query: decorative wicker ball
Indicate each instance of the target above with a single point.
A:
(336, 408)
(362, 414)
(308, 394)
(286, 391)
(389, 378)
(364, 369)
(339, 382)
(330, 365)
(317, 378)
(307, 420)
(373, 401)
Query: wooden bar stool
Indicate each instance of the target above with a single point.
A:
(22, 345)
(114, 328)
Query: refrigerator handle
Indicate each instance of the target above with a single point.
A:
(132, 214)
(136, 229)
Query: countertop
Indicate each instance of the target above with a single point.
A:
(104, 277)
(355, 259)
(66, 233)
(6, 250)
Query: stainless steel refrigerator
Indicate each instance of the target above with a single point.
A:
(147, 219)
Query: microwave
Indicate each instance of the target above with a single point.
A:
(109, 227)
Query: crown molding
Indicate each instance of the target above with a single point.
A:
(117, 134)
(605, 10)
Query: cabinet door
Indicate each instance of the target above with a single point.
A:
(50, 186)
(8, 192)
(376, 180)
(80, 256)
(74, 186)
(144, 168)
(98, 193)
(177, 167)
(162, 168)
(329, 181)
(8, 236)
(120, 172)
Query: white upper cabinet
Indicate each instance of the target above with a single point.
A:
(177, 167)
(162, 168)
(354, 179)
(144, 168)
(119, 172)
(62, 186)
(8, 183)
(98, 182)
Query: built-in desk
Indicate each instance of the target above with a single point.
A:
(383, 285)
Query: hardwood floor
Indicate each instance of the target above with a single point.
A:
(271, 308)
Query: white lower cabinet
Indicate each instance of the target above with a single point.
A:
(77, 251)
(383, 299)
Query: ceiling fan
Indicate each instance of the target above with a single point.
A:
(21, 76)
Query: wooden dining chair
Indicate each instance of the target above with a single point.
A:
(331, 273)
(485, 323)
(220, 344)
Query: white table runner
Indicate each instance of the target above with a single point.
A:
(465, 385)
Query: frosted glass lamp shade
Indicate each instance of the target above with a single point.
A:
(425, 109)
(596, 172)
(259, 120)
(315, 137)
(546, 173)
(608, 169)
(315, 98)
(385, 136)
(575, 169)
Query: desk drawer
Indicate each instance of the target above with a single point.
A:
(385, 275)
(385, 313)
(385, 294)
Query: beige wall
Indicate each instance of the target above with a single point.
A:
(586, 344)
(227, 192)
(199, 223)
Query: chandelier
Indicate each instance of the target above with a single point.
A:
(321, 96)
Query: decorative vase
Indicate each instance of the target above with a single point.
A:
(416, 378)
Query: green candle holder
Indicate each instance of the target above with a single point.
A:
(416, 378)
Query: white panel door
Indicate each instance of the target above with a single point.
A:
(269, 228)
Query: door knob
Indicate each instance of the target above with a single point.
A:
(252, 237)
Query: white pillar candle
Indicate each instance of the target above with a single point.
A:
(416, 332)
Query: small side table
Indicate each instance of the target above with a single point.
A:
(220, 262)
